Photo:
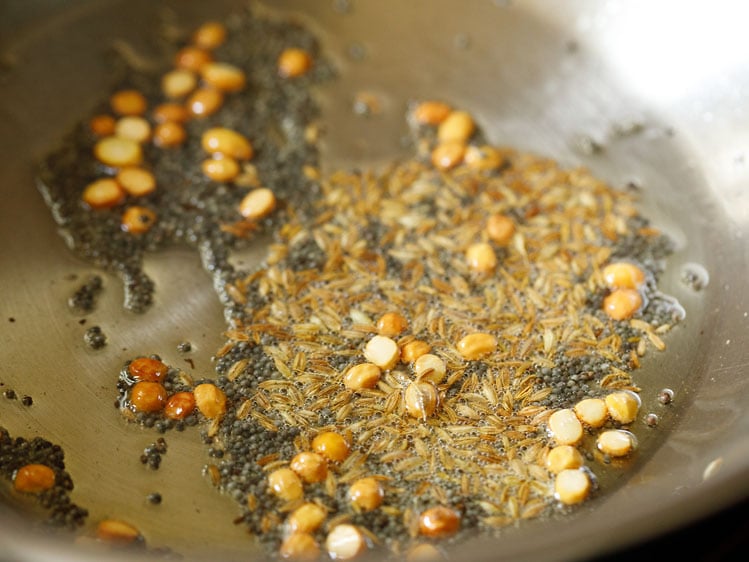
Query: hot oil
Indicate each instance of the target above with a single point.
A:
(378, 119)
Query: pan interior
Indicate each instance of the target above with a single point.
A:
(552, 78)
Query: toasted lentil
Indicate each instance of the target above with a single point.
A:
(481, 257)
(210, 35)
(431, 368)
(591, 411)
(102, 125)
(169, 134)
(192, 58)
(477, 345)
(221, 168)
(421, 398)
(34, 478)
(257, 204)
(300, 547)
(128, 102)
(294, 62)
(572, 486)
(391, 324)
(223, 76)
(285, 484)
(137, 219)
(431, 112)
(458, 126)
(136, 181)
(165, 112)
(178, 83)
(563, 457)
(204, 102)
(439, 521)
(565, 427)
(310, 467)
(134, 128)
(623, 406)
(414, 349)
(103, 193)
(621, 304)
(332, 446)
(227, 143)
(382, 351)
(147, 369)
(615, 442)
(116, 531)
(307, 518)
(366, 494)
(147, 396)
(345, 542)
(118, 152)
(623, 275)
(361, 376)
(179, 405)
(500, 228)
(448, 154)
(210, 400)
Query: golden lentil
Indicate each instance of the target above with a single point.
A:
(431, 112)
(178, 83)
(477, 345)
(179, 405)
(345, 542)
(366, 494)
(169, 134)
(137, 219)
(623, 406)
(223, 76)
(116, 531)
(565, 427)
(175, 112)
(615, 442)
(34, 478)
(102, 125)
(146, 396)
(391, 324)
(301, 547)
(285, 484)
(221, 168)
(257, 204)
(118, 152)
(439, 522)
(500, 229)
(311, 467)
(136, 181)
(209, 35)
(458, 126)
(481, 257)
(448, 154)
(220, 140)
(431, 368)
(623, 275)
(363, 375)
(572, 486)
(128, 102)
(332, 446)
(621, 304)
(204, 102)
(210, 400)
(307, 518)
(192, 58)
(103, 193)
(294, 62)
(383, 352)
(147, 369)
(414, 349)
(591, 411)
(563, 457)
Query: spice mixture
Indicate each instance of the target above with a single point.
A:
(435, 349)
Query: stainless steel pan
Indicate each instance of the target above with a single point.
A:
(553, 77)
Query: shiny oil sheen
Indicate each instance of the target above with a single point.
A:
(638, 91)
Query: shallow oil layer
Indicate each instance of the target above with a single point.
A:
(540, 95)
